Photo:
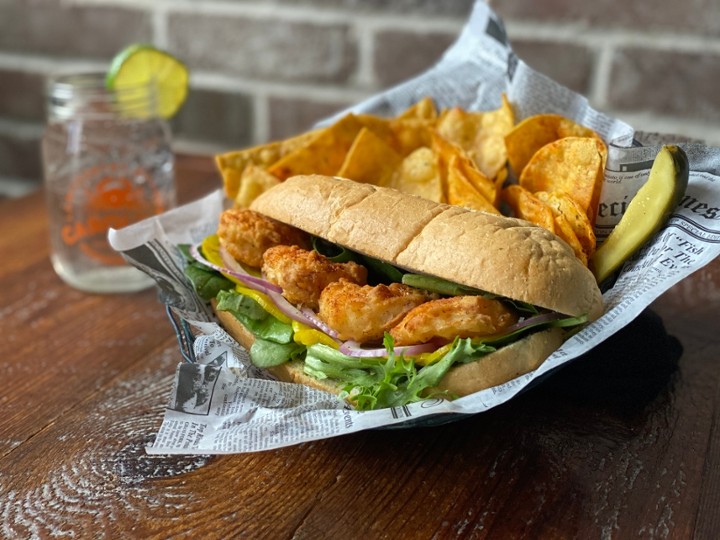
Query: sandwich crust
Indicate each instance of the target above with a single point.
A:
(497, 254)
(503, 365)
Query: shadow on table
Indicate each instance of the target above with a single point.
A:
(621, 376)
(624, 373)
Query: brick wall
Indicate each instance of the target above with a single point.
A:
(264, 69)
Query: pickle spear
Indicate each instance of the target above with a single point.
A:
(649, 209)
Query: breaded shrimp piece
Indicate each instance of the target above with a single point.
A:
(443, 319)
(365, 313)
(246, 234)
(303, 274)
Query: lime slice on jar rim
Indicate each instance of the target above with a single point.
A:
(145, 66)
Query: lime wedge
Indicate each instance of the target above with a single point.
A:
(142, 65)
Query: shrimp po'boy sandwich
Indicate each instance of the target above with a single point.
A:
(385, 298)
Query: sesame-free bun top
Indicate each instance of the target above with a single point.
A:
(501, 255)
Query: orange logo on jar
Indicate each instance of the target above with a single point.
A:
(99, 200)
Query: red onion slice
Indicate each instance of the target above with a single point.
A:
(230, 262)
(319, 323)
(291, 311)
(353, 348)
(535, 319)
(253, 282)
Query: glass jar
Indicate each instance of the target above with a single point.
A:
(107, 163)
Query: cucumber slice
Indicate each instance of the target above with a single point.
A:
(647, 212)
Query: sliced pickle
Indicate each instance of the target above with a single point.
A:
(647, 212)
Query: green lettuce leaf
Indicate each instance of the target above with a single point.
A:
(206, 281)
(265, 353)
(254, 317)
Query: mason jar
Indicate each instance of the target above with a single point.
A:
(107, 163)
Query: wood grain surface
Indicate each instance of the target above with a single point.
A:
(622, 443)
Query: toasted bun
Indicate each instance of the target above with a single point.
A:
(496, 368)
(500, 255)
(491, 370)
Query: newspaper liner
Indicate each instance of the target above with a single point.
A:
(222, 404)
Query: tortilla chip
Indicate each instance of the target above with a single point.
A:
(573, 165)
(565, 231)
(370, 160)
(453, 156)
(254, 181)
(461, 191)
(491, 155)
(525, 205)
(444, 149)
(324, 153)
(534, 132)
(232, 164)
(423, 109)
(419, 174)
(562, 204)
(480, 182)
(411, 133)
(480, 134)
(379, 126)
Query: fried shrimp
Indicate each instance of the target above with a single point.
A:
(365, 313)
(303, 274)
(246, 235)
(443, 319)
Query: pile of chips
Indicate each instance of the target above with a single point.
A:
(547, 169)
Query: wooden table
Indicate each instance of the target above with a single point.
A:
(624, 443)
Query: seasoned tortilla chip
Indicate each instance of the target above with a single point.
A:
(370, 160)
(562, 204)
(573, 165)
(419, 174)
(254, 181)
(525, 205)
(423, 109)
(534, 132)
(323, 154)
(462, 191)
(480, 134)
